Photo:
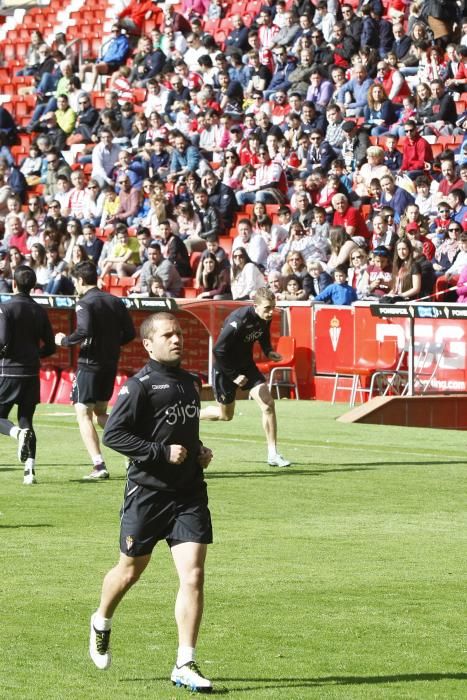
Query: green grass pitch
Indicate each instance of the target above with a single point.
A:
(340, 577)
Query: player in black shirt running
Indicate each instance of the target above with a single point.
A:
(155, 423)
(234, 367)
(26, 336)
(103, 325)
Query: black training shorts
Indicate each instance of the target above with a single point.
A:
(150, 516)
(23, 391)
(91, 387)
(225, 389)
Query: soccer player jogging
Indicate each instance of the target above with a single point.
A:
(234, 367)
(155, 423)
(26, 336)
(103, 325)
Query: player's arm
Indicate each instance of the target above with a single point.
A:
(128, 328)
(5, 332)
(205, 456)
(120, 430)
(47, 337)
(83, 331)
(266, 345)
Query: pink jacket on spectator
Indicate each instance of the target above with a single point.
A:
(462, 286)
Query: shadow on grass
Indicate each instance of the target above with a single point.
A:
(16, 527)
(287, 471)
(84, 480)
(10, 469)
(284, 683)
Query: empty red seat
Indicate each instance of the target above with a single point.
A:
(120, 380)
(49, 380)
(65, 385)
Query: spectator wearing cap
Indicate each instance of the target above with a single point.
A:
(426, 268)
(113, 54)
(378, 276)
(414, 233)
(417, 155)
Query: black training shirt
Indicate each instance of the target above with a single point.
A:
(103, 324)
(26, 336)
(233, 351)
(157, 407)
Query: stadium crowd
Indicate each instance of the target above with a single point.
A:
(211, 146)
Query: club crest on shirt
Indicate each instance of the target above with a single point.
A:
(129, 542)
(124, 390)
(234, 324)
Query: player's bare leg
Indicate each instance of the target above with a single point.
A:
(116, 583)
(84, 415)
(265, 401)
(189, 558)
(219, 412)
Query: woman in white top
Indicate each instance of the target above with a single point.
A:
(246, 277)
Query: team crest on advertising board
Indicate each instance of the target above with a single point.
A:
(129, 542)
(334, 332)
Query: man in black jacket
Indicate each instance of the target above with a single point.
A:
(155, 423)
(103, 325)
(26, 336)
(222, 197)
(235, 368)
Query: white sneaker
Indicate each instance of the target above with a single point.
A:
(24, 444)
(99, 647)
(189, 676)
(97, 473)
(278, 461)
(29, 479)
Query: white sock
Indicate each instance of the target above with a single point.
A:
(185, 655)
(272, 451)
(103, 624)
(29, 464)
(97, 460)
(14, 432)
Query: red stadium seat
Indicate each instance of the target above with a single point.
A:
(120, 379)
(49, 380)
(65, 385)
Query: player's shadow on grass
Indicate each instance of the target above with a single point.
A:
(284, 683)
(16, 527)
(83, 480)
(10, 469)
(287, 471)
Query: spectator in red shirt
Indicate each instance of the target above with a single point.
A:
(350, 218)
(450, 181)
(413, 234)
(18, 238)
(417, 154)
